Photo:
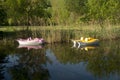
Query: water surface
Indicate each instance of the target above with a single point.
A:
(60, 62)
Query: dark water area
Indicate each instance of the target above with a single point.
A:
(60, 61)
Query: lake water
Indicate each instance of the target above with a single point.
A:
(60, 61)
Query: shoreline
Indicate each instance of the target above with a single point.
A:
(54, 34)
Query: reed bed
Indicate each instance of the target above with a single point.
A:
(65, 34)
(54, 34)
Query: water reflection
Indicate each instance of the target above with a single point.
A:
(66, 71)
(23, 64)
(60, 62)
(31, 46)
(87, 48)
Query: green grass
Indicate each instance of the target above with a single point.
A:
(64, 33)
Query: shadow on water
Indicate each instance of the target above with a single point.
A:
(15, 34)
(60, 62)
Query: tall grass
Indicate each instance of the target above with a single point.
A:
(64, 33)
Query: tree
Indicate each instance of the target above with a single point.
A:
(95, 11)
(59, 12)
(102, 10)
(21, 11)
(3, 15)
(76, 6)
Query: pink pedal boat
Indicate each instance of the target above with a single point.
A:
(29, 41)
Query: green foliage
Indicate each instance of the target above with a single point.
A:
(95, 11)
(77, 9)
(76, 6)
(59, 12)
(3, 15)
(102, 10)
(24, 11)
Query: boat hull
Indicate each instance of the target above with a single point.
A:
(90, 43)
(30, 42)
(31, 46)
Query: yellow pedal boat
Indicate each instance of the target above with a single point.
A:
(86, 41)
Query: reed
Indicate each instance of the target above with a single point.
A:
(54, 34)
(64, 34)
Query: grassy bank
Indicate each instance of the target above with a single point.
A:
(65, 33)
